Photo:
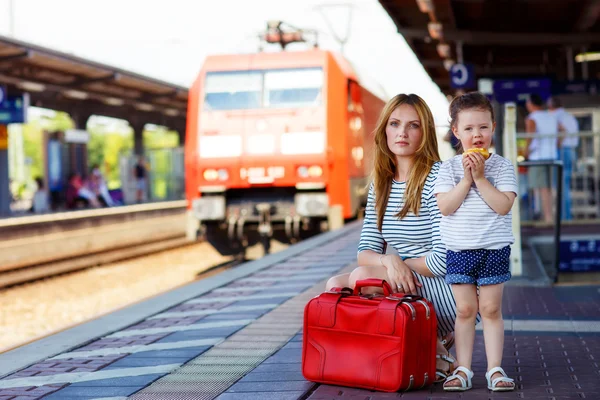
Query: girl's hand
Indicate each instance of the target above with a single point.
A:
(467, 168)
(400, 276)
(477, 163)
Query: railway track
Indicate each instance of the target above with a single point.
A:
(45, 270)
(38, 272)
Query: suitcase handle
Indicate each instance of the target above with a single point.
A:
(387, 289)
(406, 298)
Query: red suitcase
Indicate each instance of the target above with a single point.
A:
(385, 343)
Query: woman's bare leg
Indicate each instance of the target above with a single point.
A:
(367, 273)
(349, 280)
(338, 281)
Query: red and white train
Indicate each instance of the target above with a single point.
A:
(274, 141)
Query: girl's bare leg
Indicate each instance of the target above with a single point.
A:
(464, 328)
(490, 307)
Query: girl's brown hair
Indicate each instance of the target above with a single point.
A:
(468, 101)
(385, 161)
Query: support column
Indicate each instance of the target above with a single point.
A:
(128, 182)
(510, 152)
(584, 66)
(138, 136)
(78, 153)
(80, 118)
(5, 195)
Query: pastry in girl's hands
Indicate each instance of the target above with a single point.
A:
(484, 152)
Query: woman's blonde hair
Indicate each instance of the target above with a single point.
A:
(385, 161)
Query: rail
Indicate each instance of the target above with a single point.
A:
(16, 276)
(581, 179)
(558, 165)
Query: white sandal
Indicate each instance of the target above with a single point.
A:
(464, 384)
(442, 374)
(504, 378)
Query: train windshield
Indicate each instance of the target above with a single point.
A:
(285, 88)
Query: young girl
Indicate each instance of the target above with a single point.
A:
(475, 196)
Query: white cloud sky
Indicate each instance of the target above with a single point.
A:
(169, 40)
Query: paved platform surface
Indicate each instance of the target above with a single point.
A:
(237, 336)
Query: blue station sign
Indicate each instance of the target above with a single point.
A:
(13, 110)
(462, 76)
(517, 90)
(579, 255)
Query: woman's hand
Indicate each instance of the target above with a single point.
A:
(400, 276)
(477, 164)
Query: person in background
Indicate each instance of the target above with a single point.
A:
(566, 149)
(98, 186)
(78, 195)
(40, 197)
(541, 148)
(140, 172)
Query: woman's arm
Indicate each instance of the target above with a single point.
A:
(370, 237)
(435, 261)
(399, 275)
(369, 258)
(530, 127)
(419, 265)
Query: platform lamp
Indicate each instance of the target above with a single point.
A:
(426, 6)
(443, 50)
(448, 63)
(435, 30)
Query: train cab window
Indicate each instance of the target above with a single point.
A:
(293, 87)
(233, 90)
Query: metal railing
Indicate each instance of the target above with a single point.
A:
(550, 165)
(582, 174)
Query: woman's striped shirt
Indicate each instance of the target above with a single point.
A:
(411, 237)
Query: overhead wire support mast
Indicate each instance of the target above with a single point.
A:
(284, 34)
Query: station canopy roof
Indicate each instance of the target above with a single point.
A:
(501, 38)
(43, 72)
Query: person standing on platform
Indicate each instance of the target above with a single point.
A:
(140, 172)
(40, 198)
(98, 186)
(475, 192)
(566, 149)
(543, 147)
(402, 213)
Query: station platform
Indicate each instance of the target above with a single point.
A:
(237, 335)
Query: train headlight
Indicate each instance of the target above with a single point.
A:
(294, 143)
(311, 204)
(210, 174)
(223, 174)
(302, 172)
(208, 208)
(220, 146)
(315, 171)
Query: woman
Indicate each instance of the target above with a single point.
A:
(402, 212)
